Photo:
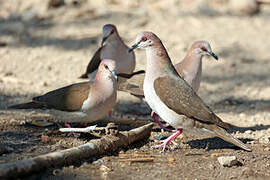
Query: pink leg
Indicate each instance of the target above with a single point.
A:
(156, 118)
(110, 113)
(67, 125)
(74, 134)
(168, 140)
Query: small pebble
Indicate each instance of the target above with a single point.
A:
(214, 155)
(104, 168)
(23, 122)
(99, 161)
(248, 132)
(56, 172)
(211, 166)
(247, 172)
(264, 140)
(45, 139)
(171, 159)
(227, 161)
(244, 7)
(242, 115)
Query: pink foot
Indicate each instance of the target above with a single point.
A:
(110, 113)
(67, 125)
(168, 140)
(156, 118)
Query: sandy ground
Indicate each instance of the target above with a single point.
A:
(49, 48)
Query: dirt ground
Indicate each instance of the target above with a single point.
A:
(43, 48)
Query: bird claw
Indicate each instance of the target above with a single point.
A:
(163, 128)
(76, 135)
(164, 144)
(169, 140)
(110, 113)
(174, 143)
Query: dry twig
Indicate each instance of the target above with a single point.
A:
(147, 159)
(108, 143)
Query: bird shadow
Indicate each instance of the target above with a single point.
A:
(126, 107)
(234, 129)
(28, 37)
(233, 102)
(246, 78)
(92, 160)
(6, 99)
(69, 43)
(18, 141)
(214, 143)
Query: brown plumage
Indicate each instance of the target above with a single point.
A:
(69, 98)
(114, 49)
(80, 102)
(173, 99)
(93, 64)
(181, 98)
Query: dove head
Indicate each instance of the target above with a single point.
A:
(109, 31)
(145, 40)
(203, 48)
(157, 56)
(107, 69)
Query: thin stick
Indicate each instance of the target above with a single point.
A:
(108, 143)
(84, 130)
(148, 159)
(138, 155)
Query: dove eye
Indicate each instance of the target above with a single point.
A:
(203, 48)
(144, 39)
(106, 67)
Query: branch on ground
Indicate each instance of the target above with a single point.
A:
(106, 144)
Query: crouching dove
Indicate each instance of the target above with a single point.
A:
(80, 102)
(172, 98)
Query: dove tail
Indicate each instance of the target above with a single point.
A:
(29, 105)
(131, 88)
(127, 76)
(219, 122)
(84, 76)
(222, 133)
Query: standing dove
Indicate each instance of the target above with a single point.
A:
(190, 69)
(81, 102)
(114, 49)
(172, 98)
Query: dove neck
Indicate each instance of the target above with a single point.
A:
(104, 80)
(115, 40)
(193, 63)
(158, 61)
